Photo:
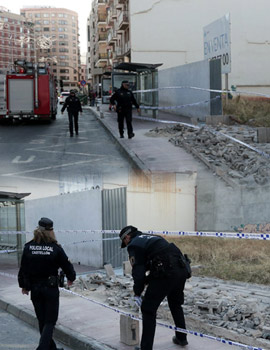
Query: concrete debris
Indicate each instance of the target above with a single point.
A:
(239, 307)
(223, 155)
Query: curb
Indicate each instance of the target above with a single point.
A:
(61, 333)
(133, 156)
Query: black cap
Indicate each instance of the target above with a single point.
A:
(126, 231)
(125, 82)
(72, 92)
(45, 224)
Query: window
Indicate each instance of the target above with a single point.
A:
(63, 43)
(46, 15)
(37, 15)
(37, 22)
(62, 22)
(46, 29)
(46, 22)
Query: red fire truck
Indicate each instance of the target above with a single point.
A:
(28, 92)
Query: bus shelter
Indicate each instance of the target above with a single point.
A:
(12, 218)
(141, 76)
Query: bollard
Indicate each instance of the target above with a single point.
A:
(98, 108)
(129, 330)
(127, 269)
(101, 115)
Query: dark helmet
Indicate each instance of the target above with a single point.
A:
(126, 231)
(45, 224)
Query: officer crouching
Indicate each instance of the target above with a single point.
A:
(41, 259)
(168, 274)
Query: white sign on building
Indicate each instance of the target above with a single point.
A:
(217, 42)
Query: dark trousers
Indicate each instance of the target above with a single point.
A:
(73, 115)
(46, 304)
(121, 117)
(156, 291)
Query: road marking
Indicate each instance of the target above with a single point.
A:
(37, 142)
(71, 153)
(54, 146)
(16, 346)
(18, 159)
(49, 167)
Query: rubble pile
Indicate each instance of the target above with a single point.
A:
(222, 154)
(239, 307)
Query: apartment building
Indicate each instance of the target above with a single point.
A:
(15, 31)
(57, 42)
(108, 38)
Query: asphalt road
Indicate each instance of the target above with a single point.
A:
(16, 334)
(44, 155)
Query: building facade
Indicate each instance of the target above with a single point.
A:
(57, 42)
(172, 33)
(15, 31)
(108, 38)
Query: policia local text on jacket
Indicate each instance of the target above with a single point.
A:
(41, 259)
(167, 277)
(125, 99)
(73, 105)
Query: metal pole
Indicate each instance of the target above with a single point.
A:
(18, 236)
(227, 87)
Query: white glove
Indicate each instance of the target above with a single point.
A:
(138, 300)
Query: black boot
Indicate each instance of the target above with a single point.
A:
(179, 342)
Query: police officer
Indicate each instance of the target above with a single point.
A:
(38, 273)
(124, 99)
(166, 279)
(73, 105)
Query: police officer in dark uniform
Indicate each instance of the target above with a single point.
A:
(73, 105)
(41, 259)
(168, 274)
(124, 99)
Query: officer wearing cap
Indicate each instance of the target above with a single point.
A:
(124, 99)
(73, 105)
(38, 273)
(168, 274)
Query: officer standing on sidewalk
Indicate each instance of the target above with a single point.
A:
(168, 274)
(124, 99)
(73, 105)
(41, 259)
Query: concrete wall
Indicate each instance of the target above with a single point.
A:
(194, 74)
(162, 202)
(172, 32)
(75, 211)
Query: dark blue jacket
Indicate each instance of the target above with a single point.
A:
(39, 261)
(141, 249)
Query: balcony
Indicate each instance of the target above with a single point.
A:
(123, 20)
(102, 2)
(102, 60)
(102, 19)
(112, 36)
(127, 48)
(122, 1)
(102, 37)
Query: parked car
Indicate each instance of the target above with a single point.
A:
(63, 96)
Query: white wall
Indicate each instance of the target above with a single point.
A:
(69, 212)
(164, 201)
(171, 32)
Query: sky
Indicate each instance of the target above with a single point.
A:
(82, 8)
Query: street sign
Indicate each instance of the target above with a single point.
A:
(217, 42)
(83, 82)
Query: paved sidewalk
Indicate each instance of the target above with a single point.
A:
(150, 154)
(85, 325)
